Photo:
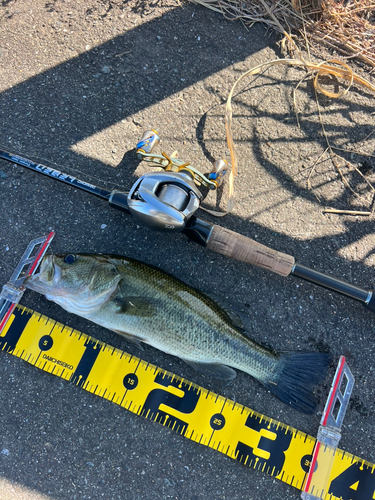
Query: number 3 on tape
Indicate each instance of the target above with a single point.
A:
(249, 437)
(194, 412)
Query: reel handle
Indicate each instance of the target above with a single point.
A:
(147, 143)
(240, 247)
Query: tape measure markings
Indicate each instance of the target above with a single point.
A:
(205, 417)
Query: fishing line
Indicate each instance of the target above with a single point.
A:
(7, 266)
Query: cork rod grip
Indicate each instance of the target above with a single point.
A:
(242, 248)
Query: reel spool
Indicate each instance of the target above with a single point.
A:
(165, 201)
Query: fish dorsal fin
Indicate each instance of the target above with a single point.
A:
(136, 306)
(215, 370)
(195, 298)
(233, 317)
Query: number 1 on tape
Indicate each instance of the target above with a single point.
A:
(249, 437)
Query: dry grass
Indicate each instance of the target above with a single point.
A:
(347, 26)
(335, 68)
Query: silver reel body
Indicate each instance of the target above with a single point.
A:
(164, 201)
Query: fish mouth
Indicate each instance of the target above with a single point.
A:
(48, 276)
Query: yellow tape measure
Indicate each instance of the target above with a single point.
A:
(249, 437)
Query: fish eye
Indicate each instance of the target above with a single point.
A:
(69, 259)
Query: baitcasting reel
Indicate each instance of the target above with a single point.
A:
(165, 201)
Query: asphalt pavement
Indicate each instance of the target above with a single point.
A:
(79, 84)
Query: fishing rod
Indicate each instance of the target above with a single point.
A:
(167, 201)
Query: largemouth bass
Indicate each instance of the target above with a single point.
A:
(144, 304)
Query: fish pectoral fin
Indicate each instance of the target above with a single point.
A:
(215, 370)
(132, 339)
(136, 306)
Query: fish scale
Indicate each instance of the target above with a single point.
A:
(145, 304)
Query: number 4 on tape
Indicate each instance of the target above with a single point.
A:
(355, 482)
(249, 437)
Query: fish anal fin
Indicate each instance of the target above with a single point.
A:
(215, 370)
(135, 306)
(132, 339)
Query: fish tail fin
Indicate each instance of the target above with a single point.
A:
(296, 376)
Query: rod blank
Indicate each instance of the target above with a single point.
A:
(337, 285)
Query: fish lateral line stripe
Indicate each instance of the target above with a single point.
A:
(147, 373)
